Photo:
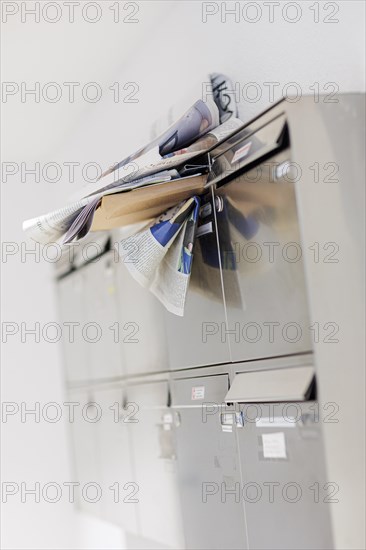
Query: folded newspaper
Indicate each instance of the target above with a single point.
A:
(160, 256)
(165, 179)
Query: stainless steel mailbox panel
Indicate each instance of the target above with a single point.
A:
(158, 339)
(188, 338)
(89, 492)
(262, 260)
(153, 443)
(115, 456)
(284, 486)
(143, 332)
(208, 465)
(103, 318)
(71, 290)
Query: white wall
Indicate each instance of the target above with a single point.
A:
(165, 54)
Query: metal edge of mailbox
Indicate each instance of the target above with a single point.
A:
(249, 127)
(209, 389)
(159, 397)
(276, 385)
(266, 138)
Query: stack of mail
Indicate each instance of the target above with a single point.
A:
(162, 180)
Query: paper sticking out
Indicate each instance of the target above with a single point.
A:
(164, 180)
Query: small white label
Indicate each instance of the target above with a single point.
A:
(167, 421)
(242, 152)
(168, 418)
(198, 392)
(274, 445)
(275, 422)
(227, 422)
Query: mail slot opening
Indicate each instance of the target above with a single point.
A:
(273, 386)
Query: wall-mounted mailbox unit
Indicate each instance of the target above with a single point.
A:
(208, 464)
(284, 485)
(117, 475)
(151, 424)
(230, 450)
